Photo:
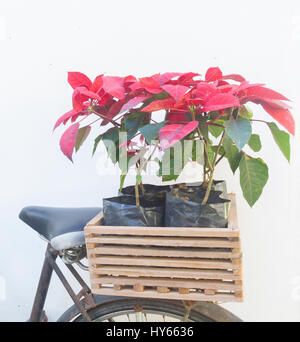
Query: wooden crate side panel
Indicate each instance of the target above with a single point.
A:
(166, 252)
(166, 272)
(174, 283)
(164, 241)
(165, 262)
(232, 216)
(162, 231)
(97, 220)
(200, 264)
(169, 295)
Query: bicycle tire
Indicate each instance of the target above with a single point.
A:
(201, 312)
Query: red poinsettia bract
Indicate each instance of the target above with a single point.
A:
(110, 98)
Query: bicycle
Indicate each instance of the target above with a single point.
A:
(63, 230)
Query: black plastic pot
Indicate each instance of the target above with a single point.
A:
(184, 208)
(152, 192)
(218, 185)
(123, 211)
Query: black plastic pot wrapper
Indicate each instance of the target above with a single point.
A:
(152, 192)
(218, 185)
(123, 211)
(185, 209)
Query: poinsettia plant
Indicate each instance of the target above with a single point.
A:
(210, 110)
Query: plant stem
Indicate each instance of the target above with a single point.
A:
(139, 170)
(206, 156)
(142, 188)
(146, 161)
(105, 118)
(259, 120)
(211, 176)
(217, 162)
(137, 194)
(192, 109)
(204, 174)
(212, 121)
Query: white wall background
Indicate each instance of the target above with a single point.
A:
(41, 40)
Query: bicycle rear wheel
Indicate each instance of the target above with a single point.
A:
(151, 310)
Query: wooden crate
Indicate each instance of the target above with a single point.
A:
(196, 264)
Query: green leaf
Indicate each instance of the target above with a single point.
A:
(245, 112)
(122, 180)
(214, 115)
(133, 121)
(111, 142)
(160, 96)
(239, 131)
(221, 149)
(210, 154)
(282, 139)
(204, 132)
(150, 131)
(216, 131)
(198, 151)
(130, 160)
(97, 141)
(255, 143)
(253, 177)
(174, 160)
(232, 153)
(83, 132)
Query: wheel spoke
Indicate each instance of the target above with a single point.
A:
(139, 316)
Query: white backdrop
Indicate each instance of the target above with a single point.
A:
(41, 40)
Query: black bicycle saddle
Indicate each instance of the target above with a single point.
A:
(53, 222)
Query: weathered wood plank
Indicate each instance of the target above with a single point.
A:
(170, 295)
(96, 221)
(166, 252)
(165, 262)
(232, 216)
(161, 241)
(165, 272)
(165, 282)
(163, 231)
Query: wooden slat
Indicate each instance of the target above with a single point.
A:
(165, 252)
(165, 282)
(165, 262)
(170, 295)
(165, 272)
(138, 288)
(232, 216)
(183, 290)
(209, 292)
(163, 231)
(157, 241)
(96, 221)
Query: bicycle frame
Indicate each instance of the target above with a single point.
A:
(83, 300)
